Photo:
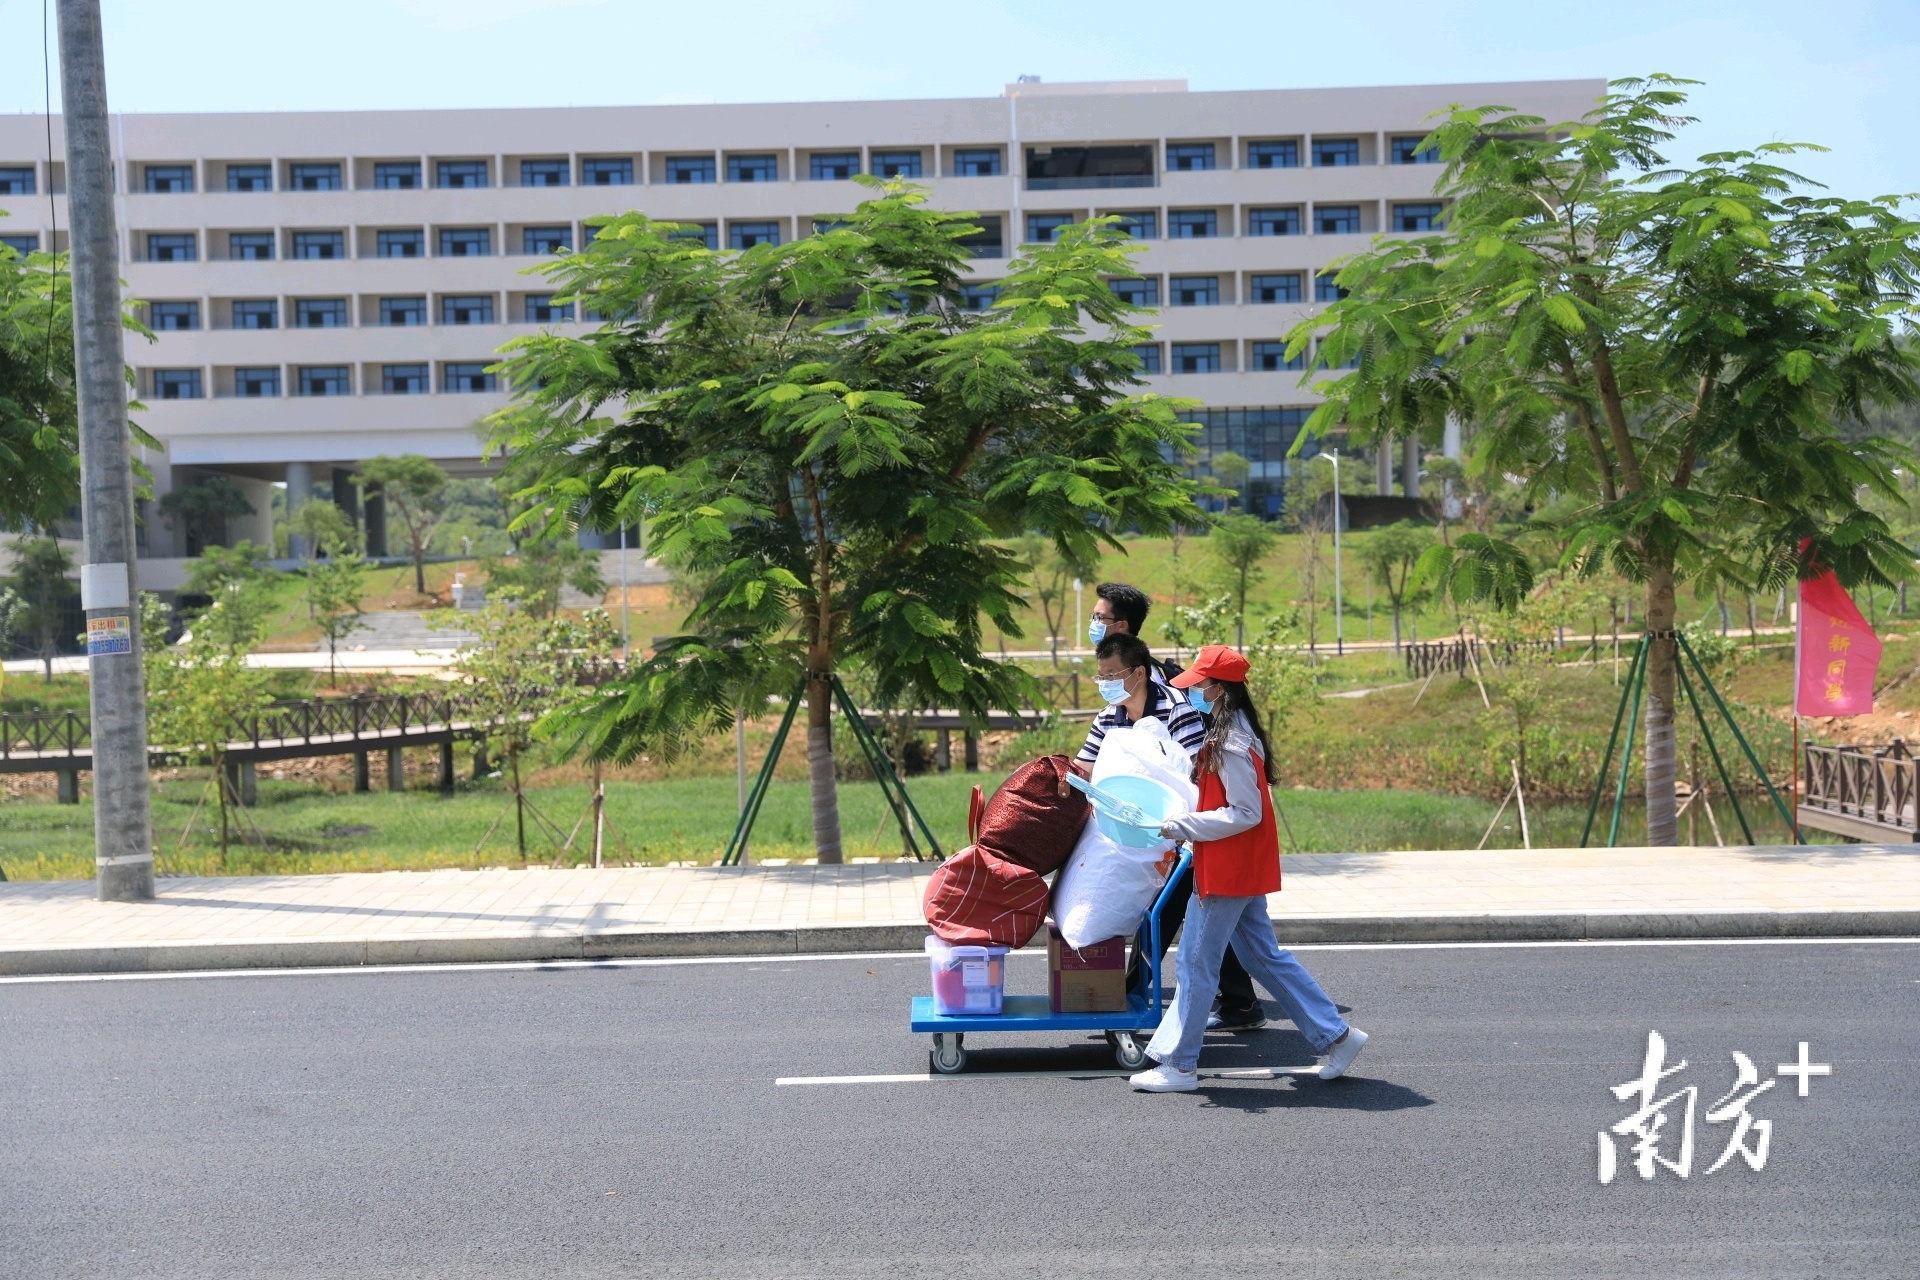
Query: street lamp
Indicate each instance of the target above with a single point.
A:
(1339, 616)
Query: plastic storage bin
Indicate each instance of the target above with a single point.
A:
(967, 980)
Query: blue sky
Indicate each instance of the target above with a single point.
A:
(1837, 72)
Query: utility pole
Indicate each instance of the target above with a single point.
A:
(122, 815)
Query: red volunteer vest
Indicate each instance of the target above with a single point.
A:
(1242, 865)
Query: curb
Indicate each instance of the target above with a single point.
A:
(307, 953)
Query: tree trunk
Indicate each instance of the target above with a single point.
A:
(1662, 654)
(420, 569)
(519, 804)
(1396, 626)
(823, 785)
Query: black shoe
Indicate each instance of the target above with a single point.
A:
(1237, 1019)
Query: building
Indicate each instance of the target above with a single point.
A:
(326, 287)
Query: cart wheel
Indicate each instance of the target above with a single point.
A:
(1128, 1050)
(949, 1058)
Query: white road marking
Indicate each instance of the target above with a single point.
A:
(500, 966)
(928, 1077)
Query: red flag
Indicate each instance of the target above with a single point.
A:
(1837, 655)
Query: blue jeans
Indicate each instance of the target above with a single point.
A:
(1212, 924)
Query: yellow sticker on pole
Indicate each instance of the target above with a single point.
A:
(111, 634)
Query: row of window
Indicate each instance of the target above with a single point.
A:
(1263, 356)
(478, 242)
(406, 311)
(456, 377)
(821, 166)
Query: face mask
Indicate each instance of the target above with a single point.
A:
(1198, 703)
(1096, 631)
(1112, 691)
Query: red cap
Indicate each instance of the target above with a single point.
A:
(1213, 662)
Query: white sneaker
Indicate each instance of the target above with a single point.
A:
(1166, 1079)
(1342, 1055)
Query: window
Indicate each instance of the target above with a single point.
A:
(396, 175)
(319, 244)
(176, 384)
(1137, 293)
(606, 171)
(22, 245)
(539, 240)
(688, 169)
(466, 242)
(1271, 356)
(169, 179)
(1273, 222)
(1336, 219)
(707, 233)
(1078, 168)
(1195, 291)
(1262, 437)
(174, 317)
(823, 225)
(1196, 357)
(255, 384)
(1333, 153)
(256, 313)
(466, 377)
(408, 243)
(460, 175)
(1141, 224)
(1187, 157)
(325, 380)
(542, 309)
(1149, 356)
(1276, 288)
(320, 313)
(250, 246)
(896, 164)
(978, 297)
(250, 177)
(183, 247)
(1193, 224)
(544, 173)
(986, 242)
(832, 166)
(1044, 228)
(1417, 217)
(402, 312)
(746, 235)
(15, 181)
(1325, 290)
(313, 177)
(404, 379)
(466, 308)
(1407, 151)
(1284, 154)
(976, 162)
(753, 169)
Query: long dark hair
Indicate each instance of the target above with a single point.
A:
(1234, 697)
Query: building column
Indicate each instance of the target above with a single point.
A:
(396, 769)
(446, 767)
(1450, 439)
(375, 505)
(971, 742)
(1410, 466)
(299, 494)
(1383, 466)
(345, 496)
(68, 785)
(362, 775)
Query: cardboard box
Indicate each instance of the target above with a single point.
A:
(1090, 980)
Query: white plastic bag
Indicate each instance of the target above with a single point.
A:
(1106, 889)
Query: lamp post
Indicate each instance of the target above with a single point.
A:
(1339, 615)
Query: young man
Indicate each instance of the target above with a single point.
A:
(1127, 670)
(1120, 608)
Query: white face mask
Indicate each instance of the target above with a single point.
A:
(1112, 691)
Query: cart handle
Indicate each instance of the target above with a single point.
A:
(1153, 926)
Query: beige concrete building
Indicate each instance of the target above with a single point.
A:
(326, 287)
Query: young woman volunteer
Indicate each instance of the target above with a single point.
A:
(1236, 864)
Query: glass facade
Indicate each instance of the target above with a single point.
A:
(1260, 435)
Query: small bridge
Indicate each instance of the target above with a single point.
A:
(1864, 791)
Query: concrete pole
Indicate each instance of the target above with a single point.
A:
(122, 813)
(1383, 466)
(299, 494)
(1410, 466)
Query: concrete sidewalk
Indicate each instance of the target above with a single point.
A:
(445, 916)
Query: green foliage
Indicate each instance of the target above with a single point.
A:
(1477, 567)
(839, 450)
(335, 588)
(1050, 576)
(201, 511)
(1240, 544)
(1280, 676)
(1390, 555)
(1230, 470)
(540, 568)
(474, 521)
(39, 579)
(326, 528)
(415, 490)
(240, 586)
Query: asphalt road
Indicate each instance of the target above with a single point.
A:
(625, 1121)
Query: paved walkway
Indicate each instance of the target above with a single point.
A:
(415, 917)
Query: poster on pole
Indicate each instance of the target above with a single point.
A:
(1836, 654)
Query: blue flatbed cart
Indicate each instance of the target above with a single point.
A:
(1124, 1027)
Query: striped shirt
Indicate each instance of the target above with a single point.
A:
(1165, 704)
